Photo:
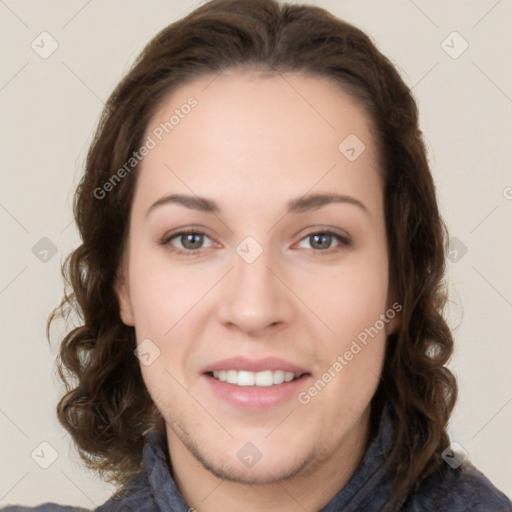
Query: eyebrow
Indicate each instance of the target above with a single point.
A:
(301, 204)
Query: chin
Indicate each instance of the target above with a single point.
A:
(269, 471)
(247, 463)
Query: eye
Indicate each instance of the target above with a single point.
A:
(323, 241)
(192, 242)
(187, 241)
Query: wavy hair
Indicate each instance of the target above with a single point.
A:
(106, 407)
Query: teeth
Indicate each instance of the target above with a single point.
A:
(278, 377)
(245, 379)
(232, 376)
(262, 379)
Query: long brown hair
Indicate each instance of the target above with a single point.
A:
(106, 408)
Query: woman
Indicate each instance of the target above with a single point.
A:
(260, 279)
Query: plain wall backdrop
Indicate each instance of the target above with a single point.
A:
(50, 107)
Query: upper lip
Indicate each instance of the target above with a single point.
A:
(253, 365)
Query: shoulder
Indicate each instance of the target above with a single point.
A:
(134, 497)
(46, 507)
(457, 490)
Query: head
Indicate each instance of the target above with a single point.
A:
(262, 115)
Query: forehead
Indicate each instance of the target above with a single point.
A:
(281, 134)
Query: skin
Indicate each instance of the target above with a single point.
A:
(252, 144)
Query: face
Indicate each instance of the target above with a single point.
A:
(256, 273)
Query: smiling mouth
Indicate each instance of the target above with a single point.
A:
(266, 378)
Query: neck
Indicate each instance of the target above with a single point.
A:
(311, 489)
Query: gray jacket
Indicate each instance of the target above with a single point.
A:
(447, 490)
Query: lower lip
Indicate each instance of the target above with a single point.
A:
(256, 397)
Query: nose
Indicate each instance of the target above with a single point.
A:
(255, 298)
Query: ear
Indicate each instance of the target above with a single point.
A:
(122, 291)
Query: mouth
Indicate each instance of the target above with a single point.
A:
(263, 379)
(252, 384)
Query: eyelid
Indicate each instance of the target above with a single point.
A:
(325, 230)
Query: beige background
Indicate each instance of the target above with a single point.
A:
(49, 110)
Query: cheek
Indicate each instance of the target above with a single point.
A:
(169, 304)
(349, 297)
(349, 371)
(163, 294)
(351, 302)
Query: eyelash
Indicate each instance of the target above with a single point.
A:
(343, 242)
